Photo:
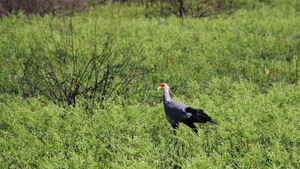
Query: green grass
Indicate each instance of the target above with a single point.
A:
(241, 69)
(255, 131)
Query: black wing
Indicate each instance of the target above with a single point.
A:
(198, 116)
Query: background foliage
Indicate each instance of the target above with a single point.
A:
(242, 69)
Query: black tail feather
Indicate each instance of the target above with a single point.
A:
(198, 116)
(212, 121)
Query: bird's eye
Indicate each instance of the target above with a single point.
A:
(162, 85)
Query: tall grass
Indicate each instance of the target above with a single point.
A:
(255, 131)
(242, 70)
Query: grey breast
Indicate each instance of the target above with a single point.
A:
(175, 111)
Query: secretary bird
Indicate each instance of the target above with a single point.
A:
(178, 112)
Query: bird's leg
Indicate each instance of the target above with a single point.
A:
(191, 125)
(175, 126)
(195, 130)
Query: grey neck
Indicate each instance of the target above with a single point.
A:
(166, 96)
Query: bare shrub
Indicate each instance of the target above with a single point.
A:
(65, 72)
(179, 8)
(193, 8)
(41, 7)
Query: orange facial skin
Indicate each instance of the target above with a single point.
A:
(162, 85)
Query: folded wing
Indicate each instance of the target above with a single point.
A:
(198, 116)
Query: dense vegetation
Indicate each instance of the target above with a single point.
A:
(242, 69)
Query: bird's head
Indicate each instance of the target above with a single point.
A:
(162, 86)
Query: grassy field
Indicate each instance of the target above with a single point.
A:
(241, 69)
